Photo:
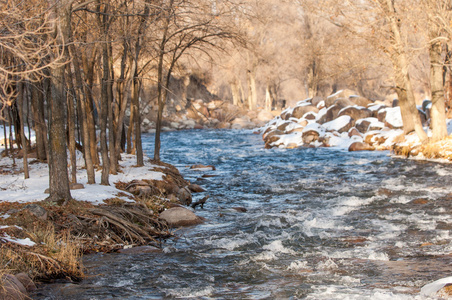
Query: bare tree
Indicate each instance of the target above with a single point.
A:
(185, 26)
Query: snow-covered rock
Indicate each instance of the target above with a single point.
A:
(347, 119)
(340, 124)
(431, 289)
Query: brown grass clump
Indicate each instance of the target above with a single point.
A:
(54, 256)
(440, 149)
(402, 150)
(114, 201)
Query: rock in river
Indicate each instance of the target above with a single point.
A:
(179, 216)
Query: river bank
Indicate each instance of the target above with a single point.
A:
(46, 241)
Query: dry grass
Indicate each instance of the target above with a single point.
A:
(402, 150)
(438, 150)
(157, 204)
(227, 116)
(55, 256)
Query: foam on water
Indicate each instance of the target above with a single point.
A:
(297, 266)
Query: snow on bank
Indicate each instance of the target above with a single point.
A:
(14, 188)
(340, 125)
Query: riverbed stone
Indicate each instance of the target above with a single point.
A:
(360, 146)
(140, 250)
(300, 111)
(26, 281)
(194, 188)
(36, 210)
(184, 196)
(13, 289)
(180, 216)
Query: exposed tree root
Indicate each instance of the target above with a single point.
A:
(115, 226)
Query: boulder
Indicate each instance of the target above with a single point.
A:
(166, 187)
(355, 112)
(36, 210)
(340, 94)
(203, 167)
(360, 146)
(381, 115)
(179, 216)
(317, 100)
(194, 188)
(184, 196)
(271, 140)
(303, 123)
(223, 125)
(300, 111)
(310, 116)
(189, 124)
(393, 118)
(340, 124)
(140, 250)
(360, 101)
(239, 209)
(265, 116)
(242, 123)
(344, 102)
(296, 129)
(310, 136)
(330, 114)
(12, 288)
(174, 125)
(354, 132)
(237, 126)
(285, 115)
(362, 126)
(26, 281)
(283, 126)
(267, 136)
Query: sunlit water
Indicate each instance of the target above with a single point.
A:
(320, 224)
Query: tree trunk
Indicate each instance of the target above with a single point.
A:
(88, 68)
(37, 108)
(58, 179)
(20, 98)
(104, 99)
(438, 111)
(84, 118)
(252, 91)
(268, 98)
(130, 131)
(122, 101)
(5, 136)
(235, 94)
(71, 125)
(111, 125)
(404, 87)
(137, 120)
(161, 91)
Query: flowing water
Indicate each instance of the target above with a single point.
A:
(320, 224)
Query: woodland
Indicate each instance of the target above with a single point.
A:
(70, 67)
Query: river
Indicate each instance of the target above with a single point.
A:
(320, 224)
